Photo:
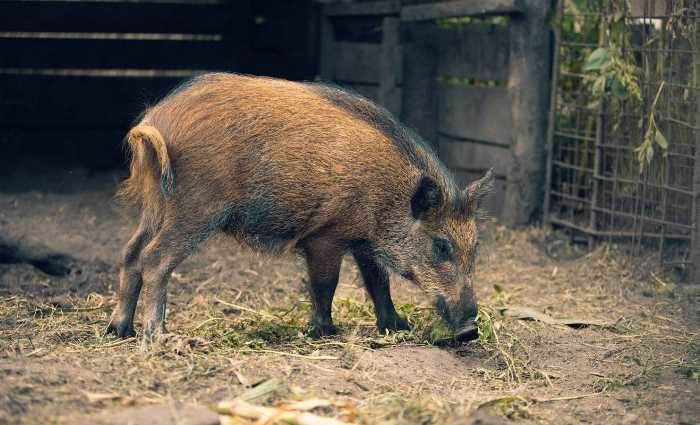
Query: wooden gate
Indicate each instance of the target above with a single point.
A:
(360, 49)
(474, 125)
(472, 78)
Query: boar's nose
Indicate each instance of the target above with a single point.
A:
(468, 332)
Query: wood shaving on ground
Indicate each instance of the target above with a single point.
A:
(286, 414)
(292, 413)
(527, 313)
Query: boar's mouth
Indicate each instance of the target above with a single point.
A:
(464, 331)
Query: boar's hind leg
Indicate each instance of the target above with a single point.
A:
(323, 259)
(173, 242)
(377, 283)
(121, 322)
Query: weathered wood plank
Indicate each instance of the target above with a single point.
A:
(390, 66)
(358, 29)
(475, 113)
(91, 53)
(447, 9)
(419, 105)
(34, 102)
(473, 156)
(391, 7)
(493, 204)
(357, 62)
(114, 16)
(476, 51)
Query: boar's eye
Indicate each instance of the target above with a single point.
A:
(442, 250)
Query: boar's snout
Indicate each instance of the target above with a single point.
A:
(468, 332)
(461, 315)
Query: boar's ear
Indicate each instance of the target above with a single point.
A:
(477, 190)
(428, 196)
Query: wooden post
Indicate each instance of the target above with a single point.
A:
(419, 103)
(552, 113)
(529, 86)
(390, 66)
(695, 240)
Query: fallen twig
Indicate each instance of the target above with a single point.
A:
(564, 398)
(528, 313)
(116, 343)
(301, 356)
(263, 389)
(100, 397)
(268, 415)
(248, 309)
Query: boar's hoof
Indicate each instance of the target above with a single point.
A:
(121, 329)
(397, 323)
(467, 333)
(319, 331)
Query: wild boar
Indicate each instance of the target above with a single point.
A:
(287, 166)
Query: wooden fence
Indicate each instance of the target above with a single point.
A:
(477, 88)
(598, 186)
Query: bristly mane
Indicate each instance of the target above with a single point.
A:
(416, 149)
(409, 143)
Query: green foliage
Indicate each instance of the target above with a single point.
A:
(598, 60)
(612, 76)
(512, 407)
(607, 384)
(486, 327)
(692, 371)
(263, 330)
(255, 330)
(426, 326)
(645, 150)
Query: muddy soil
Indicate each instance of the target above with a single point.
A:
(642, 368)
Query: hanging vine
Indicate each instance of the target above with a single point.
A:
(612, 74)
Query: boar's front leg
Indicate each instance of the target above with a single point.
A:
(377, 283)
(323, 258)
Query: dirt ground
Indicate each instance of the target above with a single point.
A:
(238, 319)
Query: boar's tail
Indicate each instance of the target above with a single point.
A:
(151, 176)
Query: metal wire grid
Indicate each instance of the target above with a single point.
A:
(595, 185)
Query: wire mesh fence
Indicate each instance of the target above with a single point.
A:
(624, 148)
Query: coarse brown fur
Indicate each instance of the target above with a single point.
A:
(282, 165)
(150, 173)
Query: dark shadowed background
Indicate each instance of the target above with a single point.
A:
(75, 74)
